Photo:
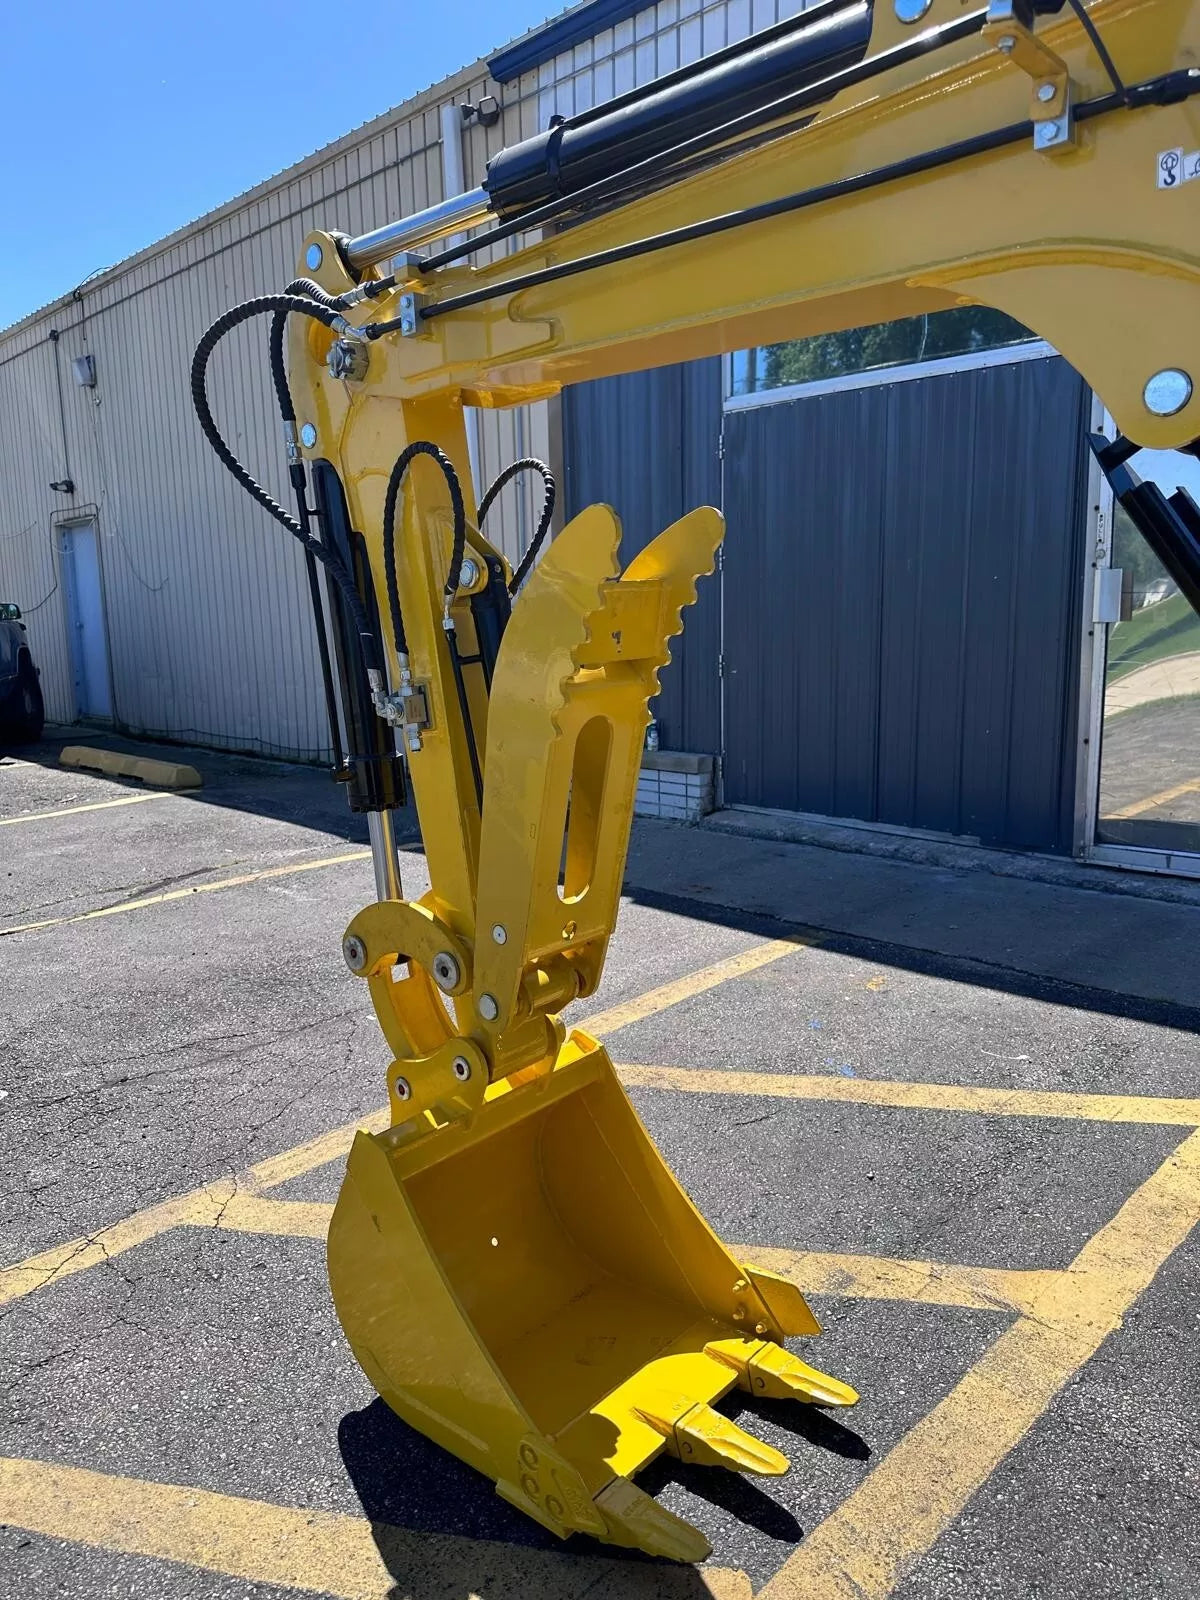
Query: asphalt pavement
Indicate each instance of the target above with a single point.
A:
(958, 1108)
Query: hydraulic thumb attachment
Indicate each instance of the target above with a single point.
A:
(516, 1268)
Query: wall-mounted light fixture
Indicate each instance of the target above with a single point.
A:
(84, 368)
(64, 486)
(486, 113)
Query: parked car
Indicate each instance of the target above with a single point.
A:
(22, 713)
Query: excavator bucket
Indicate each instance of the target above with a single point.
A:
(515, 1266)
(537, 1293)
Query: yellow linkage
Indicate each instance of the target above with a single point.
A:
(517, 1270)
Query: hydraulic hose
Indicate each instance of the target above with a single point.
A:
(525, 464)
(330, 318)
(421, 447)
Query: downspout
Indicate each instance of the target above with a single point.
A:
(66, 484)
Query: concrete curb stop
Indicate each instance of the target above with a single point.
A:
(157, 774)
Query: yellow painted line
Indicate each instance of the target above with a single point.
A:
(320, 1552)
(1151, 801)
(937, 1283)
(94, 805)
(851, 1277)
(899, 1511)
(292, 1219)
(203, 1206)
(198, 888)
(918, 1096)
(670, 994)
(199, 1207)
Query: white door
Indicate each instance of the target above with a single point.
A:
(80, 555)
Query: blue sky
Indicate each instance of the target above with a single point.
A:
(121, 121)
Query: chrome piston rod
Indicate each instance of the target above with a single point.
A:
(409, 233)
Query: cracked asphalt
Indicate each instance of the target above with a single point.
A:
(152, 1051)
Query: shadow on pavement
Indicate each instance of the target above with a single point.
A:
(282, 791)
(406, 1482)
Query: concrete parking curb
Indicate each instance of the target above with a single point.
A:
(158, 774)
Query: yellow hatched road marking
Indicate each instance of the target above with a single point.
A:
(670, 994)
(919, 1096)
(862, 1550)
(321, 1552)
(937, 1283)
(93, 805)
(204, 1205)
(815, 1272)
(199, 1206)
(197, 888)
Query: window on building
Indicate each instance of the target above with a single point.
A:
(934, 336)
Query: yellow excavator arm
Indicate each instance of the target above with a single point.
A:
(515, 1267)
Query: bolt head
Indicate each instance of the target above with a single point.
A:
(500, 933)
(308, 436)
(467, 573)
(313, 256)
(446, 971)
(462, 1068)
(355, 952)
(911, 10)
(1167, 392)
(1006, 43)
(489, 1008)
(1046, 91)
(403, 1089)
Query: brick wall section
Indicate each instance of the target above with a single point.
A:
(676, 785)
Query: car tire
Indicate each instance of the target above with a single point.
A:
(26, 713)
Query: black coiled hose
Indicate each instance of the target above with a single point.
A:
(420, 447)
(525, 464)
(281, 305)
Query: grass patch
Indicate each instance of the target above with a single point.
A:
(1169, 628)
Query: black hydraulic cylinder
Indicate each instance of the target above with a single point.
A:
(375, 771)
(1170, 524)
(600, 143)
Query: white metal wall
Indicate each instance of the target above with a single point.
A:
(208, 622)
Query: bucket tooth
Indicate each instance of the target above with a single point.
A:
(636, 1520)
(770, 1371)
(708, 1439)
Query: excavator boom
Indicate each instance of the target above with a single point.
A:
(516, 1268)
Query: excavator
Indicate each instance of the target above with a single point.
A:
(516, 1268)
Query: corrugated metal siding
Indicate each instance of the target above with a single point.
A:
(902, 603)
(207, 610)
(646, 444)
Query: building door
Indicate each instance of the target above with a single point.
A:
(87, 638)
(1145, 703)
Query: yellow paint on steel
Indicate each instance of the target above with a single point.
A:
(318, 1552)
(197, 888)
(908, 1096)
(922, 1485)
(939, 1283)
(202, 1207)
(1153, 801)
(94, 805)
(603, 1023)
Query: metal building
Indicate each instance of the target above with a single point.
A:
(916, 627)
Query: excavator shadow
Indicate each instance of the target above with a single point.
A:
(406, 1482)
